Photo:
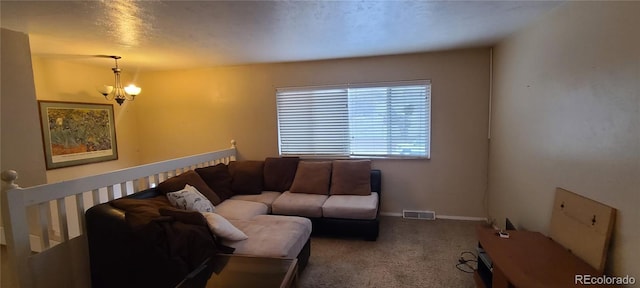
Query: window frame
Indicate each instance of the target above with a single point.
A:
(349, 153)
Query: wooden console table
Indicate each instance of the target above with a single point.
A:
(250, 272)
(529, 260)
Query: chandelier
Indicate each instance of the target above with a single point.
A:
(117, 92)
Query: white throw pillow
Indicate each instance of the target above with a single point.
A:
(190, 199)
(222, 228)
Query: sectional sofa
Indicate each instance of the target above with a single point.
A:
(261, 208)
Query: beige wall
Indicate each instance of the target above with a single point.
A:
(21, 142)
(194, 111)
(58, 79)
(566, 114)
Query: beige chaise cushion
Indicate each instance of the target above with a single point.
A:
(272, 236)
(240, 210)
(299, 204)
(266, 197)
(351, 206)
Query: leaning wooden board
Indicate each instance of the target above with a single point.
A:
(583, 226)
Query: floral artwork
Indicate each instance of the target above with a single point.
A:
(77, 133)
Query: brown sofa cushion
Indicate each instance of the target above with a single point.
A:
(279, 173)
(246, 177)
(218, 179)
(351, 177)
(139, 212)
(192, 178)
(312, 178)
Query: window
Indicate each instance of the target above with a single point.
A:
(369, 120)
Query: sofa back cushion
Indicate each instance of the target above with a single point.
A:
(192, 178)
(246, 177)
(279, 173)
(351, 177)
(312, 177)
(218, 179)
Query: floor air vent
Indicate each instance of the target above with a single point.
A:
(418, 214)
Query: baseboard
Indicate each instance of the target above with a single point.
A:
(444, 217)
(463, 218)
(392, 214)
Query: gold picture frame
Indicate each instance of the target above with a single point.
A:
(77, 133)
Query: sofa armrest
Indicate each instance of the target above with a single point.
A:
(376, 181)
(149, 193)
(109, 238)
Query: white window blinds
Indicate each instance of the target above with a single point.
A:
(372, 120)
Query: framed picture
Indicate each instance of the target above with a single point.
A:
(77, 133)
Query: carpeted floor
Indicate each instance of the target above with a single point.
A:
(408, 253)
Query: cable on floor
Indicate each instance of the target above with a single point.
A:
(467, 257)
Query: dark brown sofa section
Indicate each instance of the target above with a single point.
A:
(115, 261)
(344, 227)
(114, 254)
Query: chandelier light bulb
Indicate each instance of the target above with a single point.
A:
(132, 90)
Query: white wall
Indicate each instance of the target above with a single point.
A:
(566, 114)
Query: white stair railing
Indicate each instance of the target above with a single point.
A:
(57, 256)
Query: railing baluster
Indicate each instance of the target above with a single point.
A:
(141, 184)
(110, 194)
(95, 193)
(62, 218)
(123, 189)
(80, 209)
(44, 211)
(156, 180)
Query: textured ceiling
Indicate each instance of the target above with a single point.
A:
(187, 34)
